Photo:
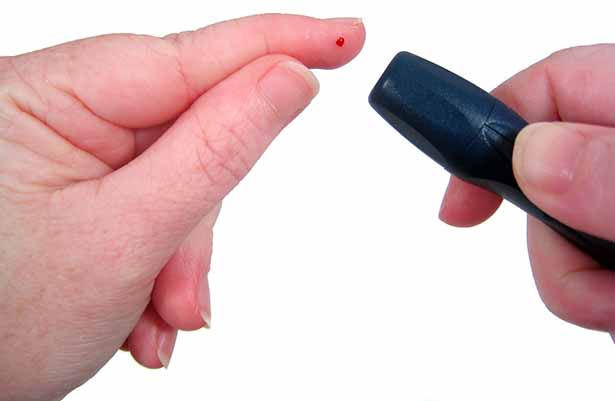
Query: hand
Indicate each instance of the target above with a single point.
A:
(567, 168)
(115, 153)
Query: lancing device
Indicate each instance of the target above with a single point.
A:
(467, 131)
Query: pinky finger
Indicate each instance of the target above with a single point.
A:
(152, 341)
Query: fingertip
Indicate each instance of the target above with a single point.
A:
(174, 297)
(323, 43)
(165, 345)
(544, 158)
(152, 340)
(181, 291)
(566, 170)
(347, 40)
(466, 205)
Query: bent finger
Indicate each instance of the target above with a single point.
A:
(181, 293)
(574, 85)
(152, 341)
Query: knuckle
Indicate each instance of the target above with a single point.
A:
(562, 53)
(220, 153)
(267, 114)
(180, 41)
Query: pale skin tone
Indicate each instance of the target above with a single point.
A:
(116, 153)
(567, 169)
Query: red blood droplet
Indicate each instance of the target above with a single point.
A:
(340, 41)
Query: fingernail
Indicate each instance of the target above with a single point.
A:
(205, 302)
(304, 72)
(166, 343)
(546, 155)
(288, 87)
(350, 21)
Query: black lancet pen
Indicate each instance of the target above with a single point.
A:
(467, 131)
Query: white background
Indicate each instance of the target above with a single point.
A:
(332, 277)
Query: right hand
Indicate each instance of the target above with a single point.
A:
(567, 168)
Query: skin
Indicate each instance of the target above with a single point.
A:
(115, 155)
(566, 168)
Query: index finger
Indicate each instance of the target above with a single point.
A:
(138, 81)
(574, 85)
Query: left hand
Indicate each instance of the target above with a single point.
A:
(115, 153)
(566, 168)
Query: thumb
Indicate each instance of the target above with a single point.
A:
(160, 196)
(568, 171)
